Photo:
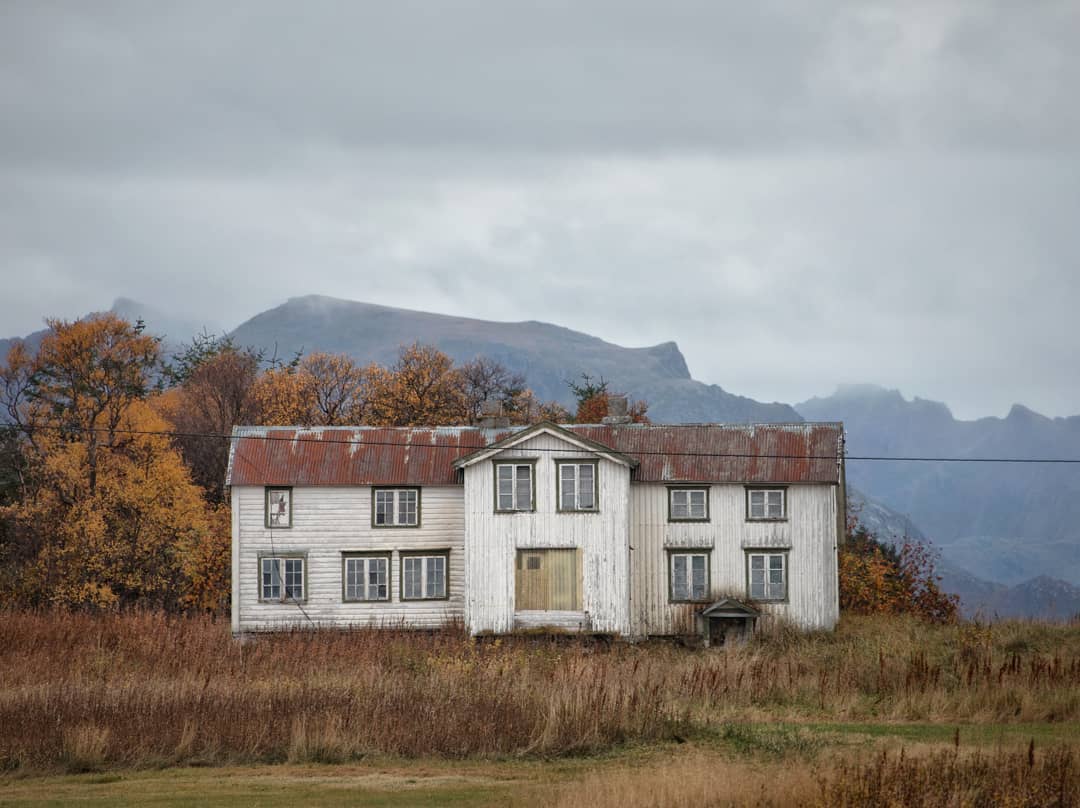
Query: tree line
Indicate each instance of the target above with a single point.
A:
(112, 460)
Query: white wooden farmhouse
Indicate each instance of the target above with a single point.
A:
(616, 528)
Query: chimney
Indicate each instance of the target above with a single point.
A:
(617, 411)
(491, 415)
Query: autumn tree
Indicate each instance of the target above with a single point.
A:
(485, 379)
(592, 397)
(421, 388)
(106, 509)
(879, 578)
(213, 390)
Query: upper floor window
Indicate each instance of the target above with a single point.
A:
(577, 486)
(367, 577)
(514, 487)
(768, 576)
(688, 505)
(424, 576)
(396, 507)
(766, 503)
(689, 576)
(281, 578)
(279, 507)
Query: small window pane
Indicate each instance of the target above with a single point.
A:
(523, 488)
(354, 578)
(776, 504)
(679, 588)
(698, 584)
(697, 504)
(294, 579)
(271, 579)
(384, 507)
(679, 501)
(436, 577)
(586, 487)
(278, 512)
(411, 572)
(569, 486)
(506, 487)
(757, 504)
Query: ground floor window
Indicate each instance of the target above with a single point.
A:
(548, 580)
(768, 576)
(282, 578)
(423, 576)
(367, 577)
(689, 576)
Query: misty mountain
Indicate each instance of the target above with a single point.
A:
(1041, 596)
(174, 330)
(1006, 523)
(548, 355)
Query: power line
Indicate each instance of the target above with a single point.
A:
(459, 448)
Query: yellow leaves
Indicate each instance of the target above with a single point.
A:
(422, 388)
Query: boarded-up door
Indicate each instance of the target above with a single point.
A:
(548, 580)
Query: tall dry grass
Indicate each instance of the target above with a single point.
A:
(83, 692)
(954, 777)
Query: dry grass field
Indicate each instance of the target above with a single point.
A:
(144, 708)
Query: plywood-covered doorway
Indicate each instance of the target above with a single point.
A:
(548, 580)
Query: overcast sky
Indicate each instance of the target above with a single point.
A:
(799, 194)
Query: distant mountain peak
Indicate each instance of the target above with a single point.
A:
(548, 355)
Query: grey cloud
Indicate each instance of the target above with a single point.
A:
(799, 196)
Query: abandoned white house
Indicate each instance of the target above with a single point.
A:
(617, 528)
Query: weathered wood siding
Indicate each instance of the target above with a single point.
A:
(329, 521)
(495, 538)
(809, 536)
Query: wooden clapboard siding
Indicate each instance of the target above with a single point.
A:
(329, 521)
(495, 538)
(808, 536)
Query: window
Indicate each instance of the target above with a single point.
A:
(423, 577)
(513, 487)
(548, 580)
(765, 503)
(577, 486)
(282, 578)
(688, 505)
(768, 576)
(367, 577)
(395, 507)
(279, 507)
(689, 576)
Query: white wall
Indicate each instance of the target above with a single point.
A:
(330, 520)
(494, 539)
(808, 536)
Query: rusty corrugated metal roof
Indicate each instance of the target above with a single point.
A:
(726, 453)
(735, 453)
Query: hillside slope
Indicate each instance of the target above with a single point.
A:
(548, 355)
(1005, 522)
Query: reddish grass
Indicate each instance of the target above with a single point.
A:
(82, 692)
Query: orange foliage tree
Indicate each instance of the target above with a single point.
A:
(421, 388)
(106, 509)
(877, 578)
(592, 402)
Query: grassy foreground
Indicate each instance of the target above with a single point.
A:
(107, 708)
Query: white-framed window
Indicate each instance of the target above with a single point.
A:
(689, 576)
(688, 504)
(768, 576)
(367, 577)
(278, 507)
(577, 486)
(766, 503)
(513, 486)
(423, 577)
(281, 578)
(395, 507)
